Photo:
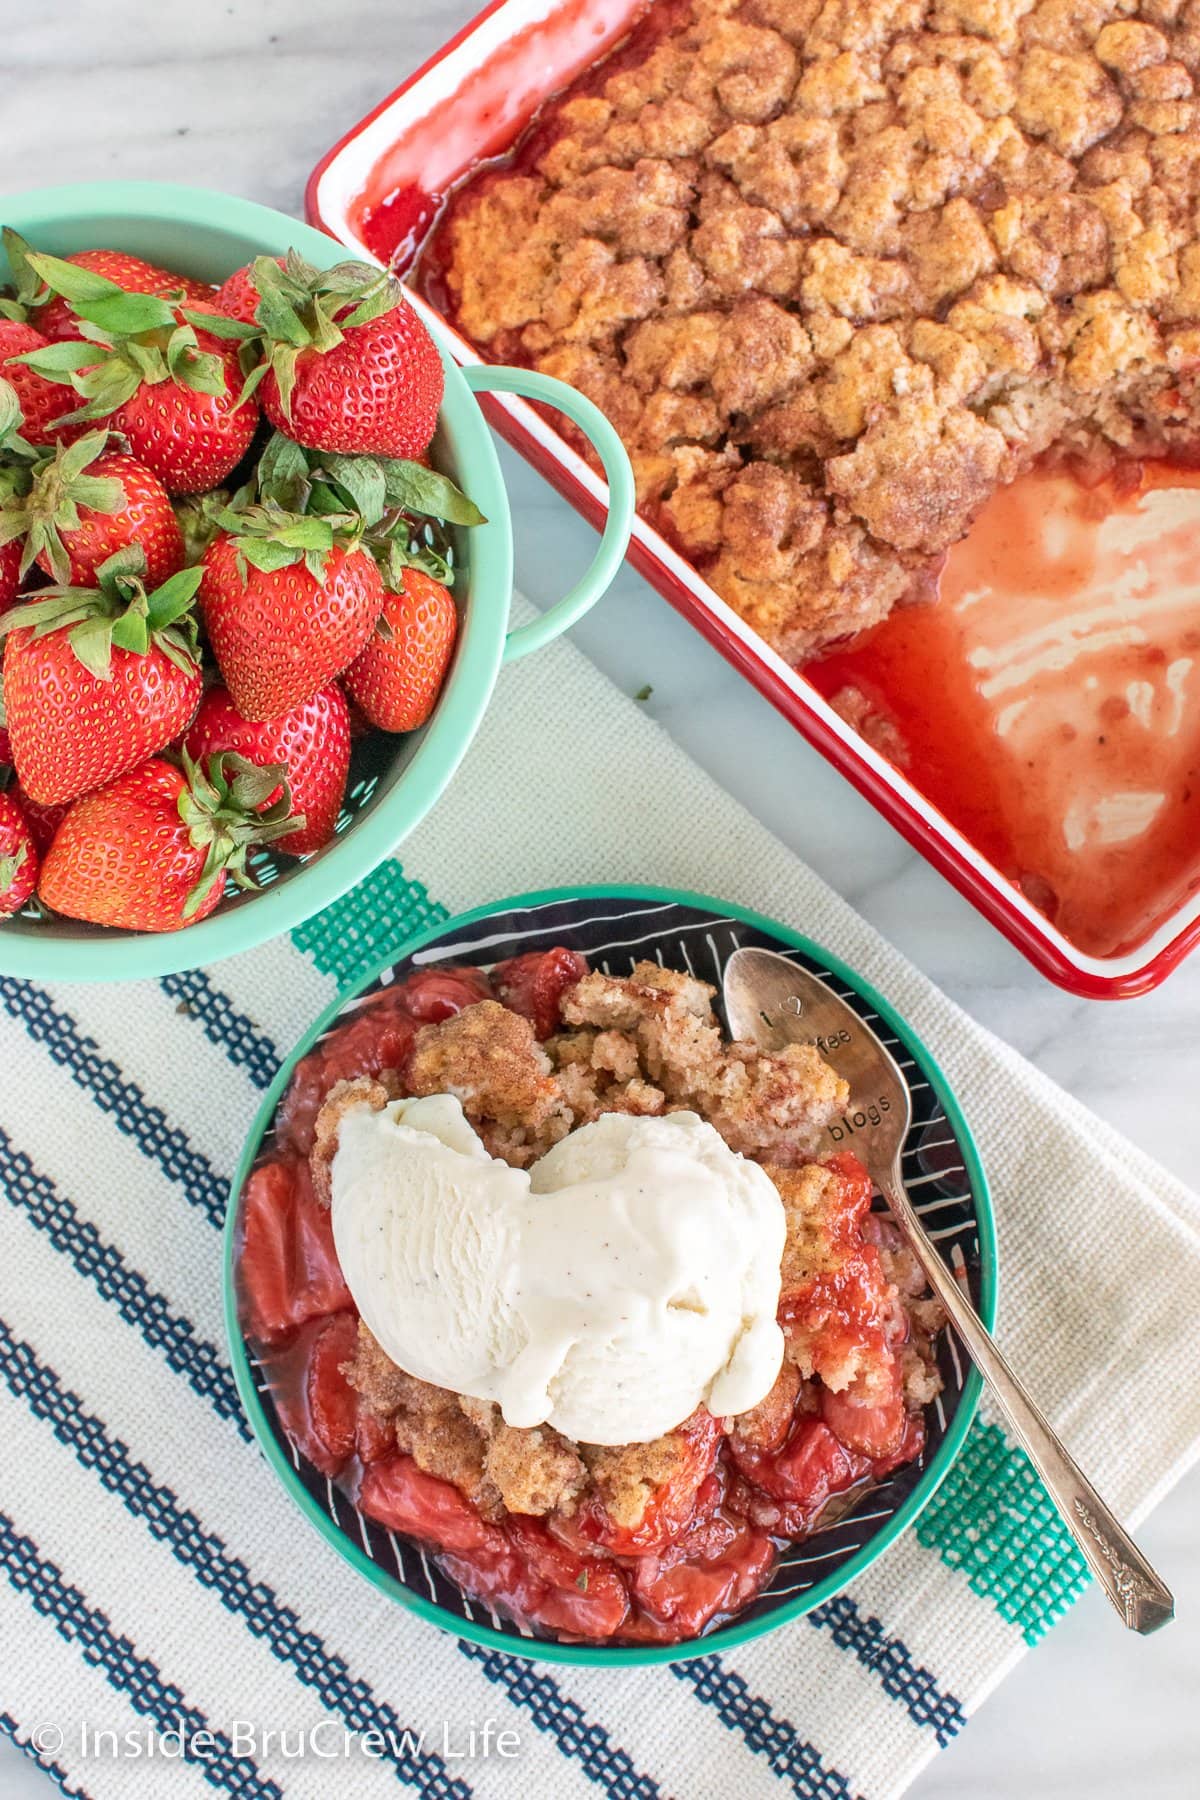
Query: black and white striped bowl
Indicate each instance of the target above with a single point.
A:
(614, 928)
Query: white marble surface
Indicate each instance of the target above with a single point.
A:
(245, 98)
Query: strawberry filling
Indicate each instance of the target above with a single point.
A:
(534, 984)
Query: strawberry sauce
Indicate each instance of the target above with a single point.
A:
(1046, 703)
(478, 119)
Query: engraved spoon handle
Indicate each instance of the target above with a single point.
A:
(1138, 1594)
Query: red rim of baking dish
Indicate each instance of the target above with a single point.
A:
(903, 806)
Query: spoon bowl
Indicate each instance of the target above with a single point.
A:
(772, 1002)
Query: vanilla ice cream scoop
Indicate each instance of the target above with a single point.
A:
(630, 1275)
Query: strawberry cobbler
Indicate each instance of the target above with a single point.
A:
(621, 1542)
(836, 271)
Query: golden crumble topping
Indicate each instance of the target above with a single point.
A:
(837, 268)
(646, 1042)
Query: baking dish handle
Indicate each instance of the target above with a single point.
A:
(482, 378)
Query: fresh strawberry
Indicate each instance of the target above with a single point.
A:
(287, 607)
(312, 742)
(10, 573)
(57, 320)
(167, 375)
(238, 295)
(398, 677)
(43, 821)
(348, 365)
(360, 725)
(154, 850)
(18, 857)
(191, 438)
(42, 401)
(97, 679)
(83, 504)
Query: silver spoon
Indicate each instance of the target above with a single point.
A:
(771, 1002)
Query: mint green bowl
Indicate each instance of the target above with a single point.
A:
(614, 926)
(393, 782)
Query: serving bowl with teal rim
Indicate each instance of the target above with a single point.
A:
(393, 780)
(615, 927)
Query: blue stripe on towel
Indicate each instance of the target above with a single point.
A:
(12, 1731)
(916, 1688)
(267, 1617)
(132, 1674)
(576, 1735)
(762, 1730)
(243, 1042)
(215, 1567)
(188, 1354)
(123, 1100)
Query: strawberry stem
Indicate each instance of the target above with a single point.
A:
(224, 807)
(133, 340)
(117, 611)
(11, 866)
(57, 486)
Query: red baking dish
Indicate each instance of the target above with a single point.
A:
(468, 104)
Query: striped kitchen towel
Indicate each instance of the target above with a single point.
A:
(160, 1593)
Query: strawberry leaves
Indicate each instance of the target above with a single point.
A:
(304, 502)
(29, 289)
(117, 613)
(11, 866)
(395, 508)
(129, 340)
(269, 537)
(54, 489)
(301, 308)
(416, 489)
(224, 810)
(11, 421)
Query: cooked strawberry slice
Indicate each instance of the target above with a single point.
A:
(404, 1498)
(673, 1505)
(332, 1402)
(534, 984)
(873, 1427)
(713, 1569)
(432, 995)
(375, 1436)
(784, 1490)
(910, 1447)
(316, 1404)
(379, 1037)
(564, 1592)
(288, 1268)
